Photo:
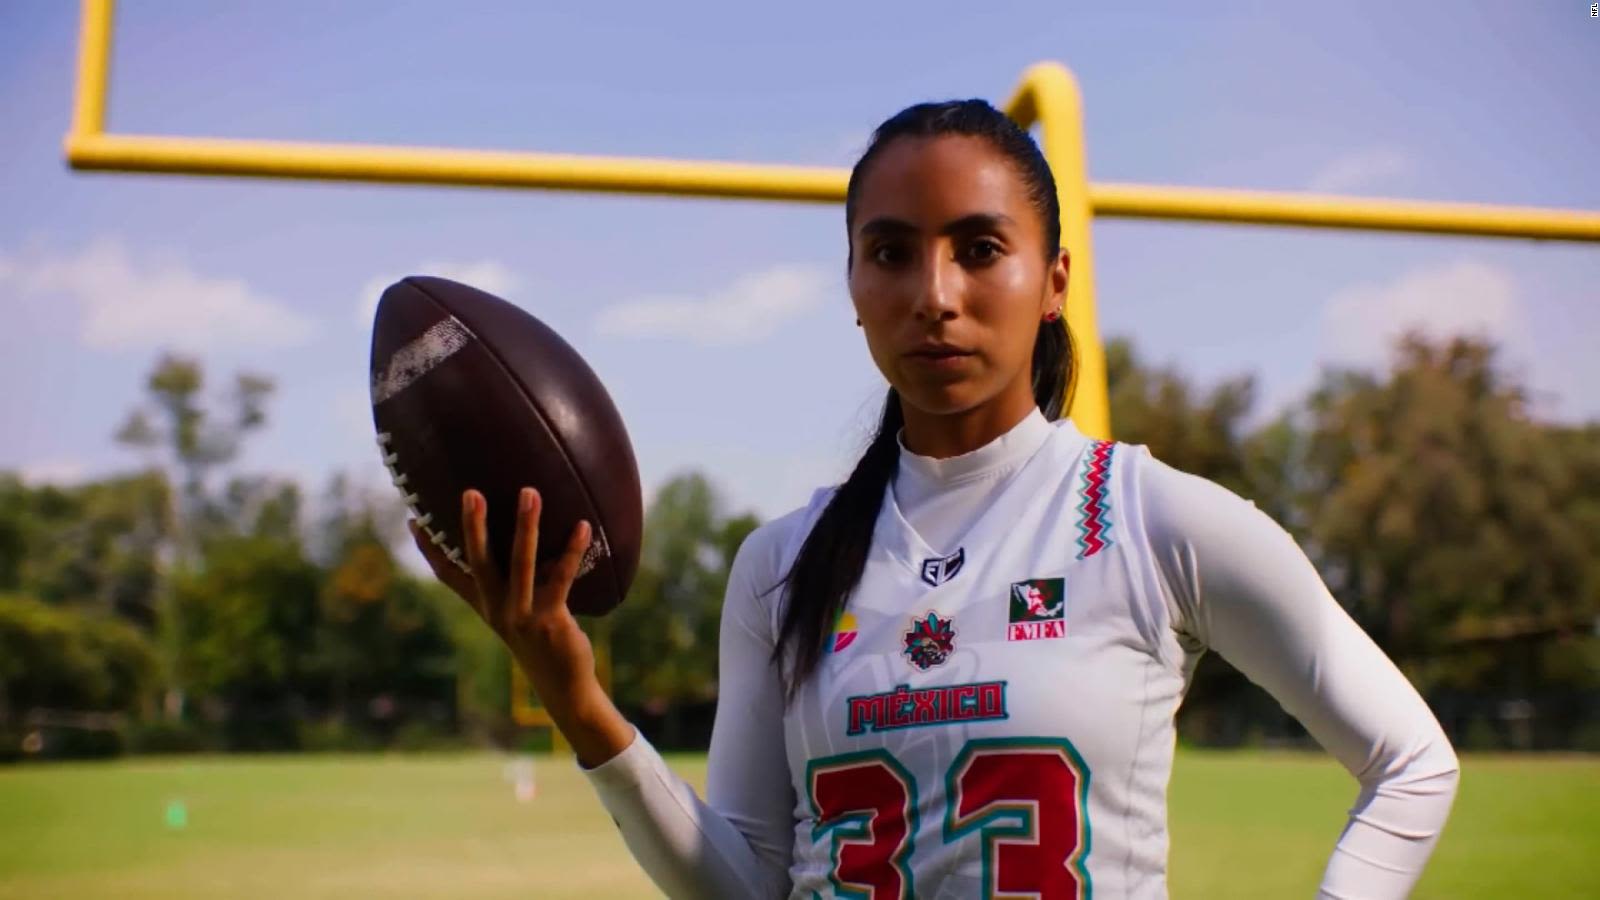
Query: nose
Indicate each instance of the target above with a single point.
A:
(937, 289)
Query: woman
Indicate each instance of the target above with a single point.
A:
(955, 674)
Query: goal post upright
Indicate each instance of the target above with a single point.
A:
(1048, 96)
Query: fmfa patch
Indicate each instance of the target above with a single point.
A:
(939, 569)
(1038, 610)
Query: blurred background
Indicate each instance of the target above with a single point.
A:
(213, 630)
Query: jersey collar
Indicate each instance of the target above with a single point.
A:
(895, 536)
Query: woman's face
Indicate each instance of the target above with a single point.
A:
(948, 276)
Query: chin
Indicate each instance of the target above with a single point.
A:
(941, 400)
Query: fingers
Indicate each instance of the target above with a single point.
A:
(558, 582)
(475, 535)
(517, 599)
(524, 549)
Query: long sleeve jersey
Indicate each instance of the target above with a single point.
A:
(994, 713)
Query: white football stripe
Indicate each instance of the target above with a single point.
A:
(592, 554)
(417, 358)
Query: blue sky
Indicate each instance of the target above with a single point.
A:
(771, 391)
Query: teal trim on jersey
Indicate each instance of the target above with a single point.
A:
(858, 827)
(1017, 821)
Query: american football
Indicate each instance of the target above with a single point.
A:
(470, 391)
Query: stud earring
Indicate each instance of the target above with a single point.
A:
(858, 322)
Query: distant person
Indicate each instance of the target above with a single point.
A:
(955, 675)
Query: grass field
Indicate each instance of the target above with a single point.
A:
(1244, 825)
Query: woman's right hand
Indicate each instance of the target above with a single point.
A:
(528, 610)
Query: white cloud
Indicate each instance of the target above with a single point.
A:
(753, 307)
(485, 275)
(163, 303)
(1362, 170)
(1361, 324)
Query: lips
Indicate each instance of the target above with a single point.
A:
(938, 350)
(947, 359)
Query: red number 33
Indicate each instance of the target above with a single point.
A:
(1025, 799)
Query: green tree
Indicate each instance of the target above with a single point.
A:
(385, 647)
(180, 432)
(178, 429)
(97, 544)
(245, 627)
(664, 637)
(1198, 431)
(62, 659)
(1444, 514)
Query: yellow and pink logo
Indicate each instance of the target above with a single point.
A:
(844, 633)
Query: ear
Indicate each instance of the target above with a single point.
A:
(1056, 284)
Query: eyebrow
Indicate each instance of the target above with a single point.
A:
(884, 225)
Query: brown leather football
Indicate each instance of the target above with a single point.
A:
(469, 391)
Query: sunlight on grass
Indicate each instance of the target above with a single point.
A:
(1244, 825)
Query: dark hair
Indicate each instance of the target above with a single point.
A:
(834, 555)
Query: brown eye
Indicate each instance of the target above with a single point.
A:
(888, 254)
(983, 250)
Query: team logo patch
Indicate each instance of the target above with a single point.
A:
(930, 641)
(844, 634)
(939, 569)
(1038, 610)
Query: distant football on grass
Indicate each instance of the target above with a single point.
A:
(470, 391)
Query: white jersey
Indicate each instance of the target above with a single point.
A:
(994, 715)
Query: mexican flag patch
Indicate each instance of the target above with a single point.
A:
(1038, 610)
